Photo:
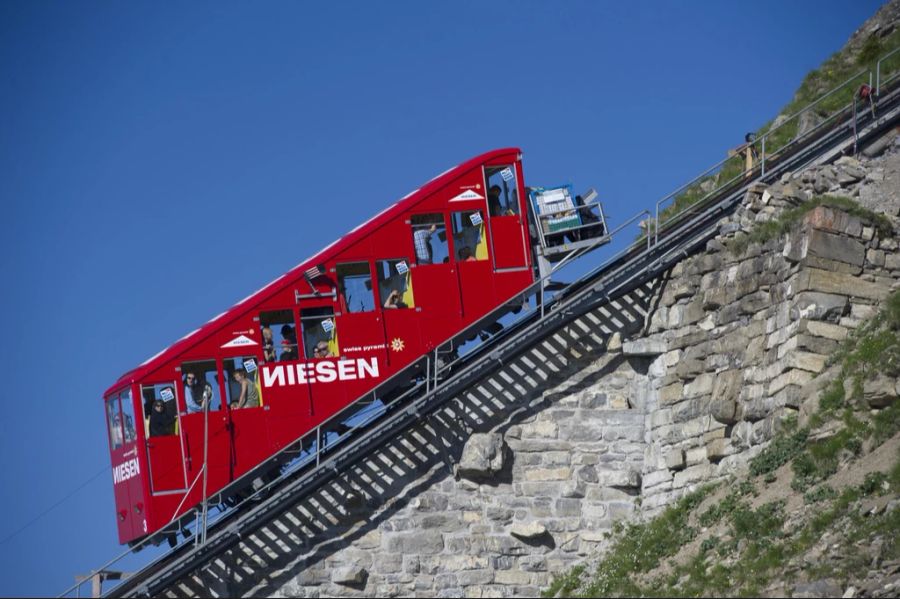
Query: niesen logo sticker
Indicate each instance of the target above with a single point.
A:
(321, 371)
(397, 344)
(468, 195)
(123, 472)
(240, 341)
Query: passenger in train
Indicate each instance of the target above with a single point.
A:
(193, 392)
(422, 241)
(494, 205)
(162, 422)
(465, 254)
(394, 300)
(268, 344)
(249, 397)
(288, 344)
(321, 350)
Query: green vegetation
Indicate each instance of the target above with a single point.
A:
(638, 548)
(835, 71)
(788, 219)
(759, 542)
(756, 546)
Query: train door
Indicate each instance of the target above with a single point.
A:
(507, 221)
(434, 279)
(165, 452)
(284, 395)
(322, 341)
(397, 298)
(247, 408)
(361, 331)
(470, 244)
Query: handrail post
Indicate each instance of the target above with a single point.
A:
(762, 160)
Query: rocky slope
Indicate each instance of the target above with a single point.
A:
(790, 328)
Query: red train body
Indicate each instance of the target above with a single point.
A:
(337, 326)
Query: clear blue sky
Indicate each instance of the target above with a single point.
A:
(158, 162)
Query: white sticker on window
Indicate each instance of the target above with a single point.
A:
(402, 268)
(250, 365)
(507, 174)
(328, 325)
(475, 217)
(166, 394)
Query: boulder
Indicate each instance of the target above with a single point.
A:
(644, 347)
(819, 306)
(818, 588)
(880, 392)
(349, 576)
(482, 456)
(835, 247)
(528, 530)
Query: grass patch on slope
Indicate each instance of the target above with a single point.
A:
(834, 71)
(788, 219)
(758, 542)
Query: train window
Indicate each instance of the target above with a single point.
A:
(395, 288)
(320, 338)
(160, 410)
(242, 387)
(200, 384)
(469, 240)
(128, 416)
(355, 283)
(279, 336)
(430, 238)
(503, 191)
(114, 419)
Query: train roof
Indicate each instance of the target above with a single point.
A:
(290, 276)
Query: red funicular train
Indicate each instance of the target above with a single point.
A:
(254, 379)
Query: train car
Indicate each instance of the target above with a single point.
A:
(251, 381)
(222, 404)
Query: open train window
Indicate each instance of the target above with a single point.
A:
(429, 234)
(355, 283)
(242, 382)
(502, 190)
(200, 384)
(469, 240)
(395, 289)
(279, 336)
(320, 338)
(160, 410)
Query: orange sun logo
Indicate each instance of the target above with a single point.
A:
(397, 344)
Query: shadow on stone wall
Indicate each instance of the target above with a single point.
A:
(341, 515)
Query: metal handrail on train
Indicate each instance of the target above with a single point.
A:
(652, 243)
